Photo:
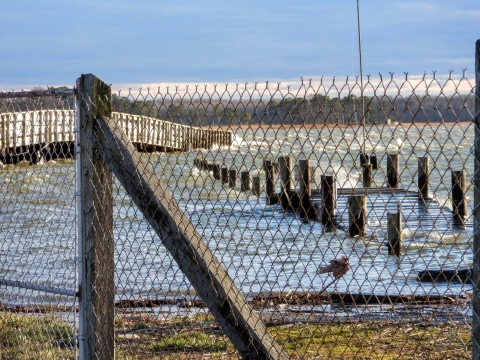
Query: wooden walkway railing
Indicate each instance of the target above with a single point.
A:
(20, 131)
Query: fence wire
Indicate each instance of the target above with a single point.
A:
(37, 226)
(346, 241)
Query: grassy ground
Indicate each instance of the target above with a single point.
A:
(46, 337)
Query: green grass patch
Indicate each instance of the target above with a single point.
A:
(27, 336)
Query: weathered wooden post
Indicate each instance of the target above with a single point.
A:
(476, 214)
(367, 175)
(393, 172)
(217, 174)
(374, 162)
(224, 174)
(286, 167)
(270, 183)
(96, 242)
(394, 230)
(357, 215)
(329, 199)
(232, 178)
(306, 205)
(364, 160)
(245, 181)
(257, 186)
(459, 189)
(423, 177)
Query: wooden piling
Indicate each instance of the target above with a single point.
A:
(423, 178)
(459, 189)
(232, 179)
(224, 174)
(217, 175)
(394, 233)
(286, 173)
(393, 172)
(306, 204)
(257, 186)
(357, 215)
(374, 162)
(270, 183)
(329, 199)
(245, 181)
(367, 175)
(364, 160)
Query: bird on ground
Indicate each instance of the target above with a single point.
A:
(338, 267)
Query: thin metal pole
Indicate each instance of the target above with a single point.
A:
(361, 73)
(79, 232)
(476, 214)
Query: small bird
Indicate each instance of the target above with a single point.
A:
(338, 266)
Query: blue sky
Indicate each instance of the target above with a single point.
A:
(183, 41)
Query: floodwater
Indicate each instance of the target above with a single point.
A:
(263, 248)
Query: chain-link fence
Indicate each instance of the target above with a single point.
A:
(37, 225)
(278, 221)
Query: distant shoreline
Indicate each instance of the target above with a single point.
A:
(328, 126)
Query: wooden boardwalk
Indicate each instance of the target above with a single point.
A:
(49, 134)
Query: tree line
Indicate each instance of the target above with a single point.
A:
(314, 110)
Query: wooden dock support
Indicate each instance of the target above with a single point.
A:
(307, 208)
(257, 186)
(364, 160)
(224, 174)
(272, 197)
(329, 199)
(394, 230)
(374, 162)
(393, 172)
(357, 215)
(245, 181)
(423, 178)
(232, 178)
(286, 173)
(459, 189)
(217, 175)
(367, 175)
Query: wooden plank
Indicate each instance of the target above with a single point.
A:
(97, 289)
(210, 279)
(476, 214)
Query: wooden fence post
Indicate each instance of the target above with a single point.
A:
(195, 259)
(96, 243)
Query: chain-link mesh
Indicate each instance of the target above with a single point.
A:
(37, 225)
(278, 247)
(344, 222)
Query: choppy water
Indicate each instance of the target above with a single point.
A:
(263, 248)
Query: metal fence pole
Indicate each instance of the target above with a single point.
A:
(476, 218)
(96, 245)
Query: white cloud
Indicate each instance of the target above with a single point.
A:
(431, 84)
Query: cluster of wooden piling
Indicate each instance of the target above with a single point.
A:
(394, 220)
(304, 199)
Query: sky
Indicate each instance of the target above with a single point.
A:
(137, 43)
